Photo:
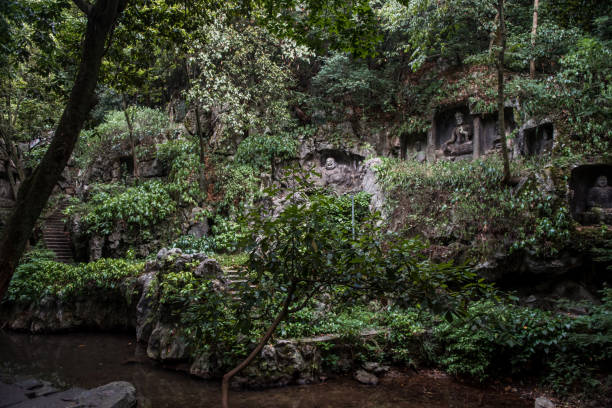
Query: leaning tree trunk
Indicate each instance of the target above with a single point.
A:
(262, 342)
(500, 51)
(36, 189)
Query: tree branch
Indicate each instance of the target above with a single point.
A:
(84, 6)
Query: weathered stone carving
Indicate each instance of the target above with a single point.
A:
(600, 195)
(592, 205)
(460, 142)
(337, 174)
(536, 138)
(419, 153)
(599, 203)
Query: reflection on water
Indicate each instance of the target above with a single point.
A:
(90, 360)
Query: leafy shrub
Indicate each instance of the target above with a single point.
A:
(182, 163)
(496, 339)
(493, 339)
(206, 319)
(408, 338)
(191, 245)
(586, 352)
(36, 278)
(261, 151)
(139, 208)
(227, 234)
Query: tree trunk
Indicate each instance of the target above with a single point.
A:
(36, 189)
(130, 124)
(279, 318)
(534, 33)
(199, 134)
(500, 51)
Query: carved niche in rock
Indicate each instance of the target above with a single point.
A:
(536, 139)
(487, 130)
(411, 147)
(592, 195)
(340, 170)
(453, 133)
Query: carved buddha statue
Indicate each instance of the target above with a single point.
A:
(599, 201)
(460, 141)
(462, 133)
(600, 195)
(335, 173)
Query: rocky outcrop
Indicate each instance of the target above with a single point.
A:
(282, 363)
(371, 185)
(52, 314)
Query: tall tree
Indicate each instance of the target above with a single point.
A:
(36, 189)
(499, 50)
(534, 33)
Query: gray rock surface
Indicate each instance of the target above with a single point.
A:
(542, 402)
(118, 394)
(370, 184)
(11, 395)
(376, 368)
(282, 363)
(365, 377)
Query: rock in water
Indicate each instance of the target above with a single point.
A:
(366, 378)
(542, 402)
(375, 368)
(118, 394)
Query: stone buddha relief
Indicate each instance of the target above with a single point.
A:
(335, 173)
(460, 141)
(599, 203)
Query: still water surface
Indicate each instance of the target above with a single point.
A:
(90, 360)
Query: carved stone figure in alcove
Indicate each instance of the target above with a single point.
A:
(599, 202)
(460, 141)
(600, 195)
(419, 152)
(338, 174)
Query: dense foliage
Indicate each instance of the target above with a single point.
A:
(466, 203)
(39, 277)
(216, 100)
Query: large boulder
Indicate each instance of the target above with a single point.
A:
(118, 394)
(282, 363)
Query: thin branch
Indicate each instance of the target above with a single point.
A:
(84, 6)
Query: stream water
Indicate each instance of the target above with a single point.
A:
(90, 360)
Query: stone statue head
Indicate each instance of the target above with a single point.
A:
(330, 163)
(602, 181)
(459, 118)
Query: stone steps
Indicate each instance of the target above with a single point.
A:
(235, 278)
(55, 236)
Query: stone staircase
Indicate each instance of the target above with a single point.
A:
(56, 237)
(235, 278)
